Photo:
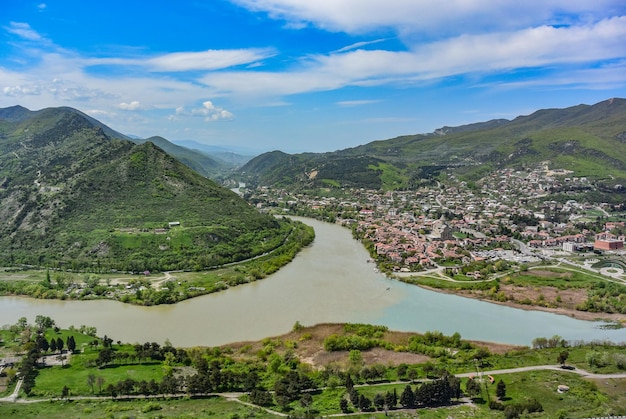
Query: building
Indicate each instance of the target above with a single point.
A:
(570, 247)
(608, 241)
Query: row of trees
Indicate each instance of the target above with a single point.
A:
(438, 392)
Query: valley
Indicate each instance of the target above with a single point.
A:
(528, 238)
(524, 223)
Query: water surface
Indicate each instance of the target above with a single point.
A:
(330, 281)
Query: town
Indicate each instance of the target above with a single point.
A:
(518, 217)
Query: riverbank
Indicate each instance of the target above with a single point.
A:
(149, 288)
(511, 293)
(570, 312)
(300, 372)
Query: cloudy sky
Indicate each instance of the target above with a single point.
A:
(308, 75)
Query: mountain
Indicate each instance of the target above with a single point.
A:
(587, 139)
(19, 113)
(235, 156)
(76, 194)
(197, 161)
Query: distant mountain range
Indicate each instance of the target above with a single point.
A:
(75, 193)
(590, 140)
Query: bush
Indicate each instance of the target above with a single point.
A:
(495, 405)
(151, 407)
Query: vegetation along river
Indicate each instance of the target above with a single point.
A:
(330, 281)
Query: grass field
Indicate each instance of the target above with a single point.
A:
(215, 407)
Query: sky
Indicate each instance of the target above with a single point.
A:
(308, 75)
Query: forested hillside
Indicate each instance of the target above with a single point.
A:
(73, 195)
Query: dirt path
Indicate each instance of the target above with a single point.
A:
(235, 396)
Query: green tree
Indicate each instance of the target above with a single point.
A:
(402, 370)
(379, 401)
(91, 380)
(349, 382)
(306, 400)
(472, 388)
(71, 344)
(42, 343)
(60, 344)
(100, 382)
(105, 356)
(354, 397)
(563, 355)
(501, 390)
(391, 399)
(365, 404)
(407, 398)
(43, 322)
(343, 405)
(355, 357)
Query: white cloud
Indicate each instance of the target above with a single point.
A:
(358, 45)
(132, 106)
(189, 61)
(42, 6)
(23, 30)
(357, 102)
(466, 54)
(422, 16)
(207, 60)
(209, 111)
(17, 91)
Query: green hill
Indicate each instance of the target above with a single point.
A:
(197, 161)
(73, 194)
(589, 140)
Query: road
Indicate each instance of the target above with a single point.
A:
(235, 396)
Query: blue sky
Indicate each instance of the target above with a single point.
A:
(304, 75)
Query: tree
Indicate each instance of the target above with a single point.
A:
(53, 345)
(563, 355)
(365, 404)
(391, 399)
(71, 344)
(355, 357)
(99, 383)
(61, 358)
(42, 343)
(379, 401)
(43, 322)
(354, 397)
(343, 405)
(21, 324)
(111, 390)
(349, 382)
(501, 390)
(60, 344)
(407, 398)
(402, 370)
(472, 388)
(91, 380)
(261, 397)
(306, 400)
(105, 356)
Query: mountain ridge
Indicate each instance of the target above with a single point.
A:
(73, 195)
(588, 139)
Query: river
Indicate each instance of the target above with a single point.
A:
(330, 281)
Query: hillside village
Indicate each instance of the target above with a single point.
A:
(516, 216)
